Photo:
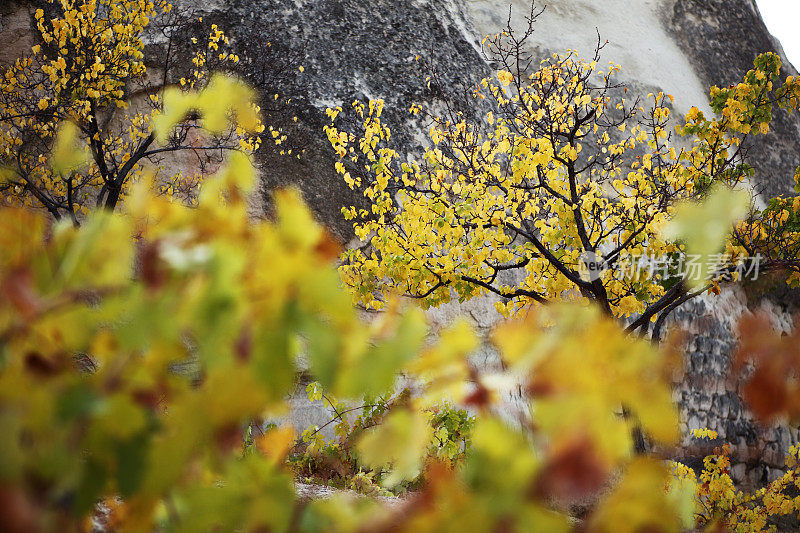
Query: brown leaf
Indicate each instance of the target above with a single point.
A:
(674, 347)
(540, 388)
(767, 394)
(244, 344)
(150, 398)
(17, 512)
(772, 388)
(42, 366)
(480, 397)
(229, 437)
(151, 269)
(573, 472)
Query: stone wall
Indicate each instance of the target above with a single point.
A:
(708, 395)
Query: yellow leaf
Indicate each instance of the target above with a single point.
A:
(505, 77)
(276, 443)
(400, 442)
(67, 156)
(639, 503)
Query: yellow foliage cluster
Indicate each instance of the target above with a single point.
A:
(747, 109)
(89, 68)
(560, 168)
(85, 59)
(101, 39)
(719, 503)
(455, 219)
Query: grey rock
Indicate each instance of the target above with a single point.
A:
(351, 49)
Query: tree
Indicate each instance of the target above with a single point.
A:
(89, 68)
(560, 174)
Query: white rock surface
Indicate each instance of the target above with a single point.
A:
(637, 39)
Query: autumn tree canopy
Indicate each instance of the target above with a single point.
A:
(88, 69)
(561, 167)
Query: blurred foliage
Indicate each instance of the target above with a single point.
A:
(771, 364)
(722, 208)
(137, 350)
(140, 350)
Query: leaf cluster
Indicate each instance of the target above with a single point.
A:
(561, 169)
(88, 68)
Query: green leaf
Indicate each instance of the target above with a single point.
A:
(131, 463)
(98, 253)
(79, 401)
(704, 227)
(120, 418)
(501, 460)
(90, 488)
(377, 371)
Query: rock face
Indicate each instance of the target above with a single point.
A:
(721, 38)
(365, 49)
(15, 30)
(352, 49)
(708, 396)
